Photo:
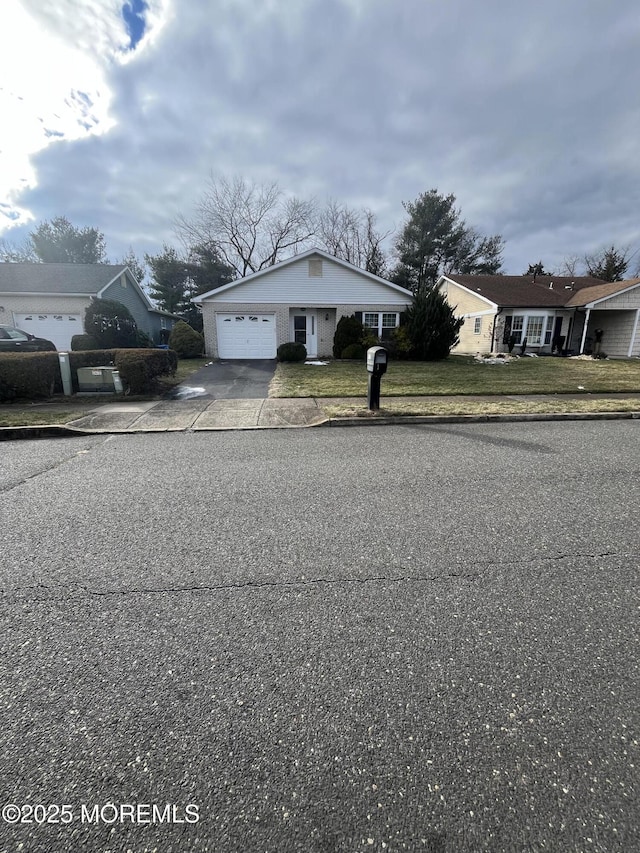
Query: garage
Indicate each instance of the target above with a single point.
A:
(58, 328)
(245, 335)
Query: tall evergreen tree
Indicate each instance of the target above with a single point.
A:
(432, 327)
(435, 240)
(609, 264)
(58, 241)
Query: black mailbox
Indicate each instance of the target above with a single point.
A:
(376, 366)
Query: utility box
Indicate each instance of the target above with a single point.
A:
(96, 379)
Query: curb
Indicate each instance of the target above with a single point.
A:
(48, 431)
(62, 431)
(471, 419)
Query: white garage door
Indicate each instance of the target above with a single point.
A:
(58, 328)
(246, 335)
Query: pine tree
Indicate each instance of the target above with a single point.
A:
(432, 327)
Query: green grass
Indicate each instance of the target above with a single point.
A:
(21, 418)
(461, 375)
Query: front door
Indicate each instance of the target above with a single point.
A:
(305, 331)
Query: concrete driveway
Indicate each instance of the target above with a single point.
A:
(228, 380)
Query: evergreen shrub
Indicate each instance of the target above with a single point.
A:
(292, 351)
(185, 341)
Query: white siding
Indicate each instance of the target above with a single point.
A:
(292, 285)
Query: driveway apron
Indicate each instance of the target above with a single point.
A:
(228, 380)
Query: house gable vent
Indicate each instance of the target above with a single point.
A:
(315, 267)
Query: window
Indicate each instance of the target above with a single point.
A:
(517, 325)
(300, 329)
(477, 325)
(382, 325)
(534, 331)
(548, 335)
(536, 328)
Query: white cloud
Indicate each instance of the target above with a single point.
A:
(526, 114)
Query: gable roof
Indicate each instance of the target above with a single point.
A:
(295, 259)
(602, 291)
(520, 291)
(86, 279)
(37, 279)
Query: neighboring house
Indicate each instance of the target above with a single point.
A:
(300, 299)
(49, 300)
(552, 312)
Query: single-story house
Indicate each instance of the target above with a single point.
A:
(49, 300)
(300, 299)
(554, 313)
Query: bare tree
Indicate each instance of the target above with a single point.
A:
(352, 236)
(251, 226)
(570, 265)
(11, 252)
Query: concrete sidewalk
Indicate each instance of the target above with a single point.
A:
(204, 414)
(201, 414)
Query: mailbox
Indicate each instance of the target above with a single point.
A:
(376, 366)
(377, 360)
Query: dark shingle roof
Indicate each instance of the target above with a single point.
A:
(57, 278)
(520, 291)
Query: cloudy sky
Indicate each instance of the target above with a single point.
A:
(529, 113)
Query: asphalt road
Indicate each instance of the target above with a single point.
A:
(411, 638)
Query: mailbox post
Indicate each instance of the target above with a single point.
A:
(376, 367)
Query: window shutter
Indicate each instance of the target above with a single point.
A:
(358, 316)
(403, 318)
(507, 330)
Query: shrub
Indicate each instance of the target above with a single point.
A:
(143, 341)
(31, 375)
(432, 326)
(28, 375)
(358, 351)
(80, 343)
(139, 369)
(292, 352)
(348, 331)
(111, 324)
(400, 344)
(186, 341)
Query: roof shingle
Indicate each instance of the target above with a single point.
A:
(57, 278)
(520, 291)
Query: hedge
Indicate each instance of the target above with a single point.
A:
(28, 375)
(35, 374)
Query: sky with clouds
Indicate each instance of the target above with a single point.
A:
(116, 115)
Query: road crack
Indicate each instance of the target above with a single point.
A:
(45, 592)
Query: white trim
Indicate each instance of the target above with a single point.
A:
(125, 270)
(633, 334)
(584, 331)
(47, 293)
(488, 312)
(475, 293)
(281, 264)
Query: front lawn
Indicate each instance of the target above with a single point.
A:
(460, 375)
